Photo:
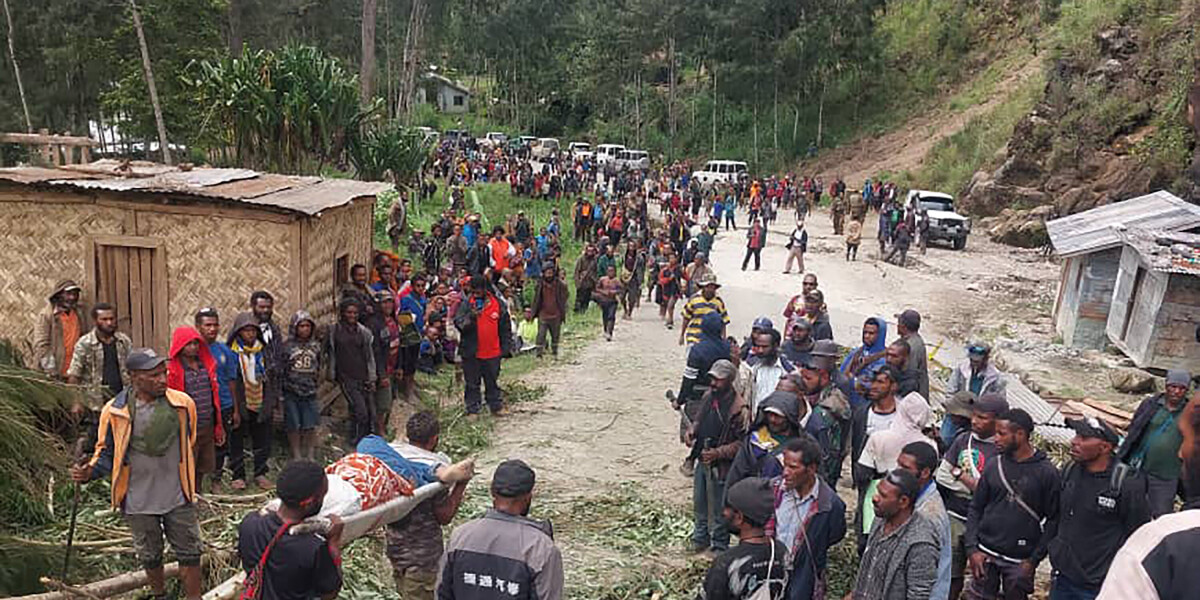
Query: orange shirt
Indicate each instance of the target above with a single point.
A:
(71, 334)
(500, 250)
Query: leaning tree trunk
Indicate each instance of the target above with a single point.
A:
(366, 76)
(148, 71)
(17, 68)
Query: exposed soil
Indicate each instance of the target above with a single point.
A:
(904, 148)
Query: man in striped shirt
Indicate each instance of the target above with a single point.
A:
(703, 302)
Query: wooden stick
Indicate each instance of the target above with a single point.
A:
(69, 589)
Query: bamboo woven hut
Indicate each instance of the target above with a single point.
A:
(161, 242)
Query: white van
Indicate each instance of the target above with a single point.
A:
(719, 171)
(545, 147)
(580, 150)
(633, 159)
(606, 153)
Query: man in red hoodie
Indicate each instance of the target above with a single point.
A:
(193, 371)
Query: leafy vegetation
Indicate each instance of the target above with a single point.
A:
(289, 110)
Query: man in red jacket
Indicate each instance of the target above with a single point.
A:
(486, 330)
(193, 371)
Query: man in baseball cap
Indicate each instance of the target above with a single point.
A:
(1102, 502)
(505, 535)
(148, 433)
(758, 559)
(715, 434)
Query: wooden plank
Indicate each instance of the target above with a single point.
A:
(160, 285)
(43, 138)
(128, 241)
(230, 209)
(125, 317)
(1107, 408)
(136, 315)
(146, 277)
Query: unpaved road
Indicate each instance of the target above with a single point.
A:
(604, 422)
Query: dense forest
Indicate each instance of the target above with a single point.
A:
(761, 78)
(767, 81)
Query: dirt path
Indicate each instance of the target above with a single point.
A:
(904, 149)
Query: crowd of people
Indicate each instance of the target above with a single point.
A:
(773, 422)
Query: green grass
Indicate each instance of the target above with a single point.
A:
(950, 164)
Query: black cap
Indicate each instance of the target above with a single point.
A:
(754, 498)
(143, 359)
(513, 478)
(1094, 428)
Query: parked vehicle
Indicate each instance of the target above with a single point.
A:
(580, 150)
(633, 159)
(428, 135)
(720, 171)
(493, 139)
(527, 140)
(606, 153)
(944, 222)
(544, 147)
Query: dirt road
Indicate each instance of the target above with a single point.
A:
(604, 422)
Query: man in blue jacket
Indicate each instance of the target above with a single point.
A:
(809, 517)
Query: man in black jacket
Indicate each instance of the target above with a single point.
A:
(1102, 503)
(1013, 513)
(715, 437)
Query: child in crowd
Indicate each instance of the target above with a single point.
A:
(301, 369)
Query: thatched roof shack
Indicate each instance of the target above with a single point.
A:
(160, 242)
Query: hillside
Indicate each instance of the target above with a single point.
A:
(1101, 113)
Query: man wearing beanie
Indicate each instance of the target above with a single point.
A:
(1152, 445)
(758, 559)
(504, 553)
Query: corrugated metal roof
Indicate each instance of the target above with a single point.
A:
(1165, 251)
(306, 195)
(1049, 421)
(1093, 230)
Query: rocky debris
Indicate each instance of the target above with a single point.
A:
(1132, 381)
(1024, 228)
(1119, 43)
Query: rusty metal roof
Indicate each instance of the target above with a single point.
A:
(305, 195)
(1097, 229)
(1165, 251)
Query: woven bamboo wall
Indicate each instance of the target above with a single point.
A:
(42, 245)
(218, 261)
(347, 229)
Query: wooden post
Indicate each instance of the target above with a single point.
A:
(148, 70)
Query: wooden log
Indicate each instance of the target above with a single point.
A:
(105, 588)
(45, 137)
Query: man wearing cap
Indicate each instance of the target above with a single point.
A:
(809, 517)
(908, 325)
(1013, 515)
(958, 475)
(58, 329)
(701, 303)
(1152, 444)
(797, 245)
(958, 417)
(1102, 503)
(715, 436)
(901, 558)
(760, 324)
(145, 445)
(758, 559)
(799, 345)
(504, 553)
(977, 374)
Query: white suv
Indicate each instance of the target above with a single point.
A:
(580, 150)
(606, 153)
(944, 222)
(719, 171)
(633, 159)
(545, 147)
